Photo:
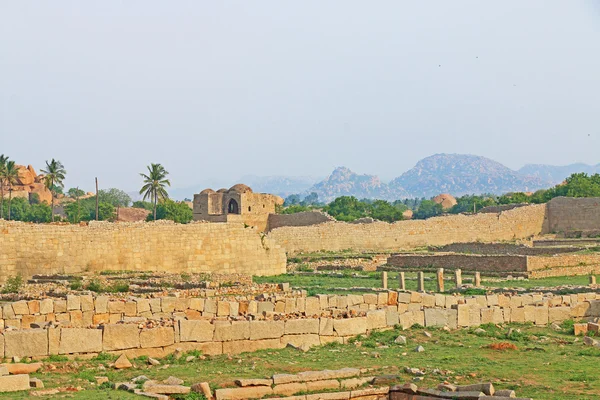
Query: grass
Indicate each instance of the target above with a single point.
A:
(330, 283)
(547, 365)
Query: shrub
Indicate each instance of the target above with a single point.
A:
(13, 284)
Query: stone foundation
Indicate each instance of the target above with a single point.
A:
(88, 325)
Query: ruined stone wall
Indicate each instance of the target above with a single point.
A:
(518, 223)
(502, 249)
(466, 262)
(306, 218)
(573, 214)
(29, 249)
(91, 325)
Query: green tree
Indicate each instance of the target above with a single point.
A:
(384, 211)
(179, 212)
(116, 197)
(146, 205)
(310, 200)
(155, 184)
(54, 176)
(428, 209)
(3, 161)
(39, 213)
(346, 208)
(9, 177)
(75, 193)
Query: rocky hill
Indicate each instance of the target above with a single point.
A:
(461, 174)
(344, 182)
(556, 174)
(28, 183)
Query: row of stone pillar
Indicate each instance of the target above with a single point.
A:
(421, 280)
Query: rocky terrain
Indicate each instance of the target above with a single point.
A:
(29, 182)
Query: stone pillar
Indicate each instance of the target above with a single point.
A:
(477, 279)
(592, 279)
(384, 280)
(420, 282)
(458, 277)
(401, 281)
(440, 280)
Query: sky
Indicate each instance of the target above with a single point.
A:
(216, 90)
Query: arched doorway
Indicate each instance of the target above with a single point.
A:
(233, 207)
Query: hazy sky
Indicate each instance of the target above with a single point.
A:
(220, 89)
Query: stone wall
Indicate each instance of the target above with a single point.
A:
(573, 214)
(84, 324)
(518, 223)
(306, 218)
(31, 249)
(468, 262)
(537, 266)
(502, 249)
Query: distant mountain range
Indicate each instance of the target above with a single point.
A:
(457, 174)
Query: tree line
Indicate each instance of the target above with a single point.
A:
(349, 208)
(104, 206)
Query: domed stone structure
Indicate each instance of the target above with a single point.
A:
(238, 204)
(240, 188)
(446, 200)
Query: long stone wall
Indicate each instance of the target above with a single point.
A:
(467, 262)
(84, 324)
(29, 249)
(518, 223)
(305, 218)
(573, 214)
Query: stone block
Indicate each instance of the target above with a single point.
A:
(76, 318)
(116, 307)
(98, 319)
(370, 298)
(143, 305)
(157, 337)
(243, 346)
(226, 331)
(223, 308)
(196, 331)
(80, 340)
(350, 326)
(326, 326)
(26, 343)
(100, 304)
(301, 326)
(251, 392)
(266, 330)
(391, 316)
(73, 302)
(20, 307)
(14, 383)
(87, 302)
(517, 315)
(53, 341)
(559, 314)
(312, 306)
(404, 297)
(462, 315)
(338, 396)
(34, 306)
(411, 318)
(440, 317)
(197, 304)
(376, 319)
(310, 340)
(428, 300)
(182, 303)
(167, 304)
(264, 307)
(155, 306)
(120, 337)
(130, 309)
(46, 306)
(288, 389)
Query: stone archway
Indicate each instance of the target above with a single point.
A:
(233, 207)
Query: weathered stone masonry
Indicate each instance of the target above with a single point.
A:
(217, 326)
(29, 249)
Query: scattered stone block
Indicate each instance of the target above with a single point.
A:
(253, 382)
(22, 368)
(123, 362)
(14, 383)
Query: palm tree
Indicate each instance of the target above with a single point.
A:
(3, 160)
(154, 184)
(10, 174)
(54, 175)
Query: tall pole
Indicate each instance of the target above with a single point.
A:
(96, 198)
